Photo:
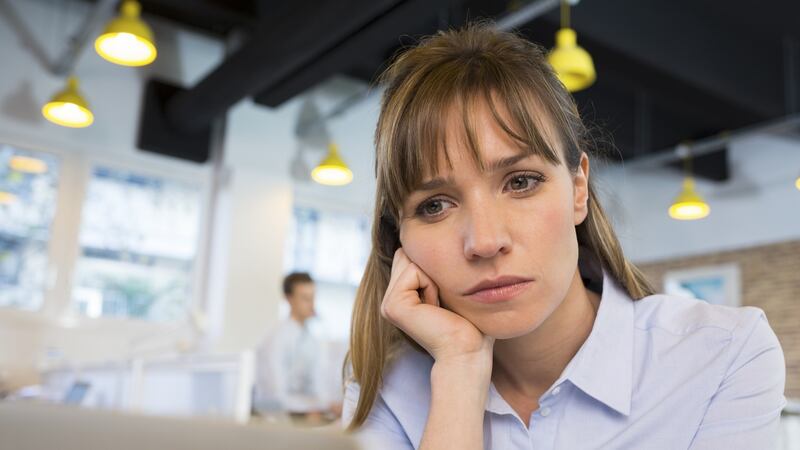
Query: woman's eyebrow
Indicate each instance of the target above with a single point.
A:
(493, 166)
(505, 163)
(434, 183)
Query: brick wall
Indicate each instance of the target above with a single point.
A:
(770, 278)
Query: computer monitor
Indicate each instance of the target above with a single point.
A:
(76, 393)
(26, 426)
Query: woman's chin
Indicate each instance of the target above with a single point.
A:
(508, 329)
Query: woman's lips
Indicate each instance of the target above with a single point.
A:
(500, 293)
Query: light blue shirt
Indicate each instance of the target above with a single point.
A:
(662, 372)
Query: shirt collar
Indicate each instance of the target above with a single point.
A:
(603, 367)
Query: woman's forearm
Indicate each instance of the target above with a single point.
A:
(458, 398)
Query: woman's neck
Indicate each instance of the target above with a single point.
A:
(531, 363)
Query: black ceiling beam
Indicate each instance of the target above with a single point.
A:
(177, 121)
(772, 21)
(273, 52)
(371, 40)
(674, 94)
(678, 109)
(714, 57)
(217, 17)
(712, 166)
(157, 136)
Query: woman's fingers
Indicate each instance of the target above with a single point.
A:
(411, 303)
(403, 292)
(430, 293)
(399, 263)
(408, 287)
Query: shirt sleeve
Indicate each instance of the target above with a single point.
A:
(275, 357)
(745, 411)
(381, 429)
(322, 370)
(263, 384)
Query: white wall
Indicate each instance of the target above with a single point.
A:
(758, 205)
(258, 201)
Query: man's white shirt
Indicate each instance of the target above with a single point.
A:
(290, 370)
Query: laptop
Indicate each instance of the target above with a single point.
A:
(29, 426)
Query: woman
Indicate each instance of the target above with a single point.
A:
(497, 309)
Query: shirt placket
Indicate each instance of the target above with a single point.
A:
(543, 424)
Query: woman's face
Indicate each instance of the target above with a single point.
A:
(499, 244)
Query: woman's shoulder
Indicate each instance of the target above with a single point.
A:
(698, 352)
(715, 337)
(406, 379)
(683, 315)
(406, 384)
(403, 399)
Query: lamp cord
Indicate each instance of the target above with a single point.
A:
(564, 14)
(687, 164)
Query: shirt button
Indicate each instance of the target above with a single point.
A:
(556, 390)
(545, 412)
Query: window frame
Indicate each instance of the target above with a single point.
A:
(76, 167)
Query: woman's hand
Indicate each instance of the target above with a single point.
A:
(447, 336)
(462, 369)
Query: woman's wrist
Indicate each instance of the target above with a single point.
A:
(474, 362)
(459, 390)
(465, 373)
(473, 368)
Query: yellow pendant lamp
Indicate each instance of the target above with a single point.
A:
(127, 40)
(27, 164)
(572, 63)
(332, 171)
(688, 205)
(68, 108)
(7, 198)
(797, 183)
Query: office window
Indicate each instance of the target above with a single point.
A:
(28, 193)
(333, 248)
(138, 240)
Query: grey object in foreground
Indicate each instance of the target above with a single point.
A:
(26, 426)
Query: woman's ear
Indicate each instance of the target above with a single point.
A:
(580, 185)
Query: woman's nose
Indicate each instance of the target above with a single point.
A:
(486, 233)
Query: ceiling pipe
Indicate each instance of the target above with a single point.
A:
(791, 74)
(101, 11)
(713, 143)
(65, 64)
(526, 14)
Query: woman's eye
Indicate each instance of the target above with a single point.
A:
(433, 207)
(523, 182)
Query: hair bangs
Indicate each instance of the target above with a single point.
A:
(435, 99)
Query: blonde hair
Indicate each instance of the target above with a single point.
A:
(462, 67)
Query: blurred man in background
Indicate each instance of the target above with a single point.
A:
(291, 366)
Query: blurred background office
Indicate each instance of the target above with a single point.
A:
(156, 164)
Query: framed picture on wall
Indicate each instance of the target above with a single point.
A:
(718, 285)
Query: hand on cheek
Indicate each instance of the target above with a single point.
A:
(444, 334)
